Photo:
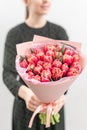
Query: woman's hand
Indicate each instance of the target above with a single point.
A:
(32, 102)
(58, 104)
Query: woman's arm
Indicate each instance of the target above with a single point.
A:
(9, 70)
(10, 77)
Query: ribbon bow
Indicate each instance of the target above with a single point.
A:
(40, 108)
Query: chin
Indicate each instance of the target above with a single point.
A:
(44, 12)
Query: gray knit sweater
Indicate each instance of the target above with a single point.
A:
(22, 33)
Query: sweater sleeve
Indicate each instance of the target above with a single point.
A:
(9, 70)
(61, 33)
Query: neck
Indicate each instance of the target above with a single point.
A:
(36, 21)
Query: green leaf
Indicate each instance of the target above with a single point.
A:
(32, 69)
(52, 120)
(42, 117)
(22, 58)
(56, 49)
(63, 48)
(57, 117)
(32, 51)
(59, 58)
(51, 79)
(58, 55)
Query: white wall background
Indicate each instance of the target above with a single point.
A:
(72, 15)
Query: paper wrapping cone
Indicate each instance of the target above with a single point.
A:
(38, 38)
(46, 91)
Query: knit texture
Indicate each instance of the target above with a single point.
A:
(18, 34)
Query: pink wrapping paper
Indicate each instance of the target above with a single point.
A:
(47, 91)
(45, 39)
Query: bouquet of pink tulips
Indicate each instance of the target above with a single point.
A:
(48, 65)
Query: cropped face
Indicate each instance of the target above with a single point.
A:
(38, 6)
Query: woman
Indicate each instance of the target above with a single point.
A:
(25, 101)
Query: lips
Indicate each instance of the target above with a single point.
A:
(45, 6)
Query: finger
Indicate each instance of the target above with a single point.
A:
(58, 105)
(57, 108)
(31, 107)
(60, 100)
(36, 99)
(35, 102)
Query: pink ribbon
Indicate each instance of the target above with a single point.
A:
(41, 108)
